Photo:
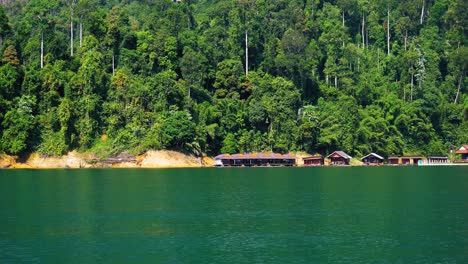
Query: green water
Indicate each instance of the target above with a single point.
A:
(236, 215)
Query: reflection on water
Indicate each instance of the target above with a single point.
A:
(238, 215)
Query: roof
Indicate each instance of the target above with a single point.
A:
(261, 155)
(462, 150)
(313, 158)
(437, 157)
(411, 157)
(373, 154)
(340, 153)
(405, 157)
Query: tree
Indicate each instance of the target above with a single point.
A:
(5, 28)
(41, 12)
(18, 125)
(178, 130)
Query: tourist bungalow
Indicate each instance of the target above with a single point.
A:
(411, 160)
(339, 158)
(404, 160)
(463, 152)
(255, 159)
(437, 159)
(394, 160)
(372, 159)
(313, 160)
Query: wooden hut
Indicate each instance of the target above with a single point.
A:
(405, 160)
(255, 159)
(372, 159)
(411, 160)
(339, 158)
(313, 161)
(394, 160)
(437, 159)
(463, 151)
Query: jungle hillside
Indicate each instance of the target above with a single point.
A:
(208, 77)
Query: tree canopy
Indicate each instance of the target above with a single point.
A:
(359, 76)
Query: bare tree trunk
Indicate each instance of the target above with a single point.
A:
(459, 86)
(363, 32)
(71, 36)
(326, 78)
(42, 49)
(246, 54)
(336, 82)
(113, 65)
(422, 12)
(388, 31)
(71, 5)
(343, 29)
(343, 17)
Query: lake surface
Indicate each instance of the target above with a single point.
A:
(235, 215)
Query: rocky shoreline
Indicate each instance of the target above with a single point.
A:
(75, 160)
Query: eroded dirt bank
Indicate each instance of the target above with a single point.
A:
(150, 159)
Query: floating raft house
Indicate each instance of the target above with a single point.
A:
(255, 159)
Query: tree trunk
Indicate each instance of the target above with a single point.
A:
(42, 49)
(336, 82)
(343, 29)
(422, 12)
(246, 54)
(71, 36)
(113, 65)
(459, 86)
(363, 32)
(388, 31)
(326, 78)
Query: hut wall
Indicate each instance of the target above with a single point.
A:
(339, 161)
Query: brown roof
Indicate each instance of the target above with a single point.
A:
(462, 150)
(405, 157)
(312, 158)
(337, 154)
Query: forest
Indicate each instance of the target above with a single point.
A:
(225, 76)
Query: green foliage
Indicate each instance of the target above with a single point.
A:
(178, 130)
(164, 75)
(18, 124)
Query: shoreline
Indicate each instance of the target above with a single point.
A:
(153, 159)
(75, 160)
